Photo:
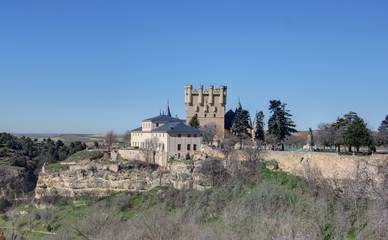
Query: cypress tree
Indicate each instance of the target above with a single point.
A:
(194, 122)
(241, 125)
(383, 132)
(280, 124)
(259, 127)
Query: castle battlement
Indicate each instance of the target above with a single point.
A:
(208, 105)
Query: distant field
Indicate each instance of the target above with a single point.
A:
(66, 138)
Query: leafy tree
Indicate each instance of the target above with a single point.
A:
(75, 147)
(280, 124)
(59, 143)
(382, 134)
(341, 126)
(357, 134)
(241, 127)
(5, 137)
(194, 122)
(19, 161)
(259, 127)
(14, 144)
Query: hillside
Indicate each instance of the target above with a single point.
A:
(21, 159)
(267, 205)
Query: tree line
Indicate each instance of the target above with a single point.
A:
(32, 154)
(349, 130)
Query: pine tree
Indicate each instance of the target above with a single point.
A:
(341, 126)
(194, 122)
(241, 126)
(280, 124)
(259, 127)
(383, 132)
(357, 134)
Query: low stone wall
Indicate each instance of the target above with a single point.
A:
(329, 164)
(136, 154)
(108, 167)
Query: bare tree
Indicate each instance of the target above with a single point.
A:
(249, 169)
(49, 217)
(97, 223)
(110, 139)
(151, 146)
(325, 135)
(209, 131)
(13, 216)
(127, 138)
(227, 146)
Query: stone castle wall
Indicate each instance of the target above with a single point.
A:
(209, 106)
(136, 154)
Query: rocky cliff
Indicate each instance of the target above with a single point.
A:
(99, 179)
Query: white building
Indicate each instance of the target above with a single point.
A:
(169, 136)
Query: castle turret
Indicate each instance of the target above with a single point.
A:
(200, 95)
(188, 94)
(223, 95)
(211, 90)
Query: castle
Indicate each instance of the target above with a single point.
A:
(208, 105)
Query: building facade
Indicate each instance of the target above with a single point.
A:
(169, 137)
(208, 105)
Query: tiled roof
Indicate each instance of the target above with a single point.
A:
(163, 119)
(176, 127)
(139, 129)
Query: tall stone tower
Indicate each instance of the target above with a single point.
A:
(208, 105)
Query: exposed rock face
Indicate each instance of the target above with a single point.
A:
(97, 179)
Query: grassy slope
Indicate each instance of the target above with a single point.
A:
(84, 154)
(81, 155)
(67, 211)
(278, 205)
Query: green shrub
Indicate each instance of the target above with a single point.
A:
(4, 204)
(19, 161)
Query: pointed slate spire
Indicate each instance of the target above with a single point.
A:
(168, 112)
(239, 107)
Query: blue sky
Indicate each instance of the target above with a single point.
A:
(92, 66)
